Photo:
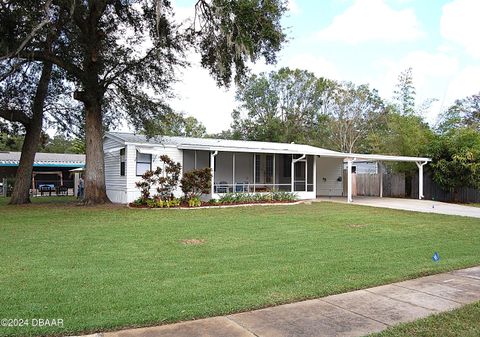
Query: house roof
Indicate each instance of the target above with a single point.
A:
(45, 159)
(212, 144)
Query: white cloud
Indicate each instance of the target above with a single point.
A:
(373, 20)
(316, 64)
(465, 83)
(431, 75)
(293, 7)
(427, 65)
(200, 97)
(460, 24)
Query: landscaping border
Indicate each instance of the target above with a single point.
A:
(229, 206)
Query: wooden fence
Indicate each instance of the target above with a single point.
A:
(432, 191)
(369, 184)
(394, 185)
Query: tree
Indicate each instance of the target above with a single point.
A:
(404, 135)
(176, 124)
(108, 45)
(283, 106)
(27, 88)
(463, 113)
(404, 93)
(456, 159)
(62, 144)
(354, 113)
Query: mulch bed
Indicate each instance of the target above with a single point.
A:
(209, 205)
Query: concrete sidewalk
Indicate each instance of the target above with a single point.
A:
(426, 206)
(356, 313)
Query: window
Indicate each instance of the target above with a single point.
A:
(257, 168)
(269, 169)
(144, 163)
(122, 162)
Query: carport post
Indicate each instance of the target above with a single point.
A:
(349, 179)
(380, 176)
(420, 179)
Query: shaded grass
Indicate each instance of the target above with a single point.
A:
(462, 322)
(101, 268)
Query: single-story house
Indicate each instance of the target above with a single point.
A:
(237, 165)
(51, 169)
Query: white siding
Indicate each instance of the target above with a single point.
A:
(115, 183)
(132, 192)
(329, 170)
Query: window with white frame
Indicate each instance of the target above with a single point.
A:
(144, 163)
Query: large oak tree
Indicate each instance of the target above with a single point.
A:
(122, 55)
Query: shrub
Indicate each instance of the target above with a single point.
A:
(194, 202)
(196, 182)
(167, 180)
(283, 196)
(235, 198)
(145, 185)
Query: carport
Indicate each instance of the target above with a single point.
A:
(351, 158)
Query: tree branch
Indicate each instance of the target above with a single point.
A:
(14, 115)
(48, 57)
(32, 33)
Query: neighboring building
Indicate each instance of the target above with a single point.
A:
(237, 166)
(52, 169)
(363, 167)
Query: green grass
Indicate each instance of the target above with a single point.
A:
(463, 322)
(103, 268)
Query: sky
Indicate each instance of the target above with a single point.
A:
(362, 41)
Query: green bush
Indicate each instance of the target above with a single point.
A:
(236, 198)
(196, 182)
(194, 202)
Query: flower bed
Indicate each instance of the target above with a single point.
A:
(228, 199)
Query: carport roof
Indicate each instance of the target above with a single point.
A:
(45, 159)
(212, 144)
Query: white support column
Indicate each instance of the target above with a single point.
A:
(195, 161)
(254, 170)
(292, 174)
(306, 174)
(380, 173)
(349, 180)
(212, 167)
(274, 168)
(233, 171)
(420, 179)
(315, 175)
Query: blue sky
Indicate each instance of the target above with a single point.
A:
(363, 41)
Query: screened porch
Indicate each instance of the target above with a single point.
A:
(254, 172)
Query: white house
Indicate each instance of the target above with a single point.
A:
(237, 166)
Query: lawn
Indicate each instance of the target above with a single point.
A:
(463, 322)
(103, 268)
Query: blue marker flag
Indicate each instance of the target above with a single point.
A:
(436, 257)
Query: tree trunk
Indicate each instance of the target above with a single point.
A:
(95, 190)
(21, 190)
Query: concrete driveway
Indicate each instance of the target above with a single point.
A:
(415, 205)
